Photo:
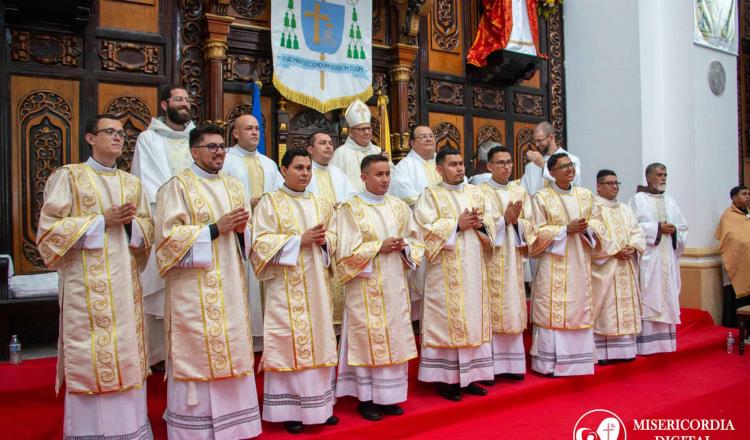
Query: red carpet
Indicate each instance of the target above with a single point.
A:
(700, 381)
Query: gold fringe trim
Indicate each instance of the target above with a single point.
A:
(315, 103)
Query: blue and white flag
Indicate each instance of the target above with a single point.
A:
(322, 51)
(256, 111)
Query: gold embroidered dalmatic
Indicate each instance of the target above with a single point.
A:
(504, 266)
(379, 330)
(298, 321)
(615, 292)
(206, 313)
(561, 291)
(101, 345)
(456, 310)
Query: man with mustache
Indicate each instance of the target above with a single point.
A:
(568, 226)
(292, 250)
(537, 175)
(202, 239)
(666, 233)
(161, 151)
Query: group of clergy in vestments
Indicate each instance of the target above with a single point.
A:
(238, 256)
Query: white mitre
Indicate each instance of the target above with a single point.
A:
(357, 113)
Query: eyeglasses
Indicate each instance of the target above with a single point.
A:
(185, 99)
(362, 129)
(214, 148)
(611, 183)
(503, 163)
(111, 132)
(568, 165)
(424, 137)
(539, 141)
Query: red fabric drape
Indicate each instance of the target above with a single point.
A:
(494, 29)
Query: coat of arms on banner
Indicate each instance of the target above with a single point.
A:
(322, 51)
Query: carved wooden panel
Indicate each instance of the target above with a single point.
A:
(305, 123)
(379, 21)
(135, 16)
(45, 47)
(445, 30)
(190, 59)
(133, 106)
(247, 68)
(526, 104)
(487, 98)
(130, 57)
(413, 105)
(44, 136)
(556, 66)
(445, 92)
(380, 82)
(448, 129)
(253, 12)
(236, 104)
(485, 129)
(523, 142)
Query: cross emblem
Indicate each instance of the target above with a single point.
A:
(317, 18)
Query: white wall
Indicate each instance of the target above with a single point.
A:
(637, 92)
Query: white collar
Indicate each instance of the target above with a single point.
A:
(416, 155)
(355, 146)
(243, 152)
(294, 193)
(559, 190)
(318, 166)
(448, 186)
(370, 198)
(656, 196)
(491, 182)
(606, 202)
(99, 167)
(200, 172)
(559, 150)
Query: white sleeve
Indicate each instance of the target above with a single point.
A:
(558, 244)
(288, 255)
(366, 272)
(450, 243)
(588, 235)
(93, 238)
(200, 254)
(499, 232)
(136, 235)
(406, 256)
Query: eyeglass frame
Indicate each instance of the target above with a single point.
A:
(610, 184)
(567, 165)
(213, 148)
(502, 163)
(361, 129)
(111, 132)
(185, 99)
(425, 136)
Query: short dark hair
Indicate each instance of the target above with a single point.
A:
(166, 92)
(196, 134)
(653, 166)
(552, 161)
(93, 123)
(371, 159)
(736, 190)
(445, 151)
(604, 173)
(494, 150)
(291, 154)
(311, 138)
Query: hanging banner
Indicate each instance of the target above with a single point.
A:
(322, 51)
(716, 24)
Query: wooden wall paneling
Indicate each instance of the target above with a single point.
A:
(449, 131)
(379, 22)
(303, 121)
(523, 141)
(255, 13)
(44, 136)
(534, 82)
(445, 30)
(485, 129)
(134, 106)
(130, 15)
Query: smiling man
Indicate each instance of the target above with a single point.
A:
(378, 243)
(95, 228)
(666, 234)
(202, 235)
(292, 250)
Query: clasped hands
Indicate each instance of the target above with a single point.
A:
(314, 235)
(119, 215)
(469, 219)
(667, 228)
(233, 221)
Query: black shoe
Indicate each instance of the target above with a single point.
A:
(368, 411)
(390, 410)
(487, 383)
(449, 391)
(603, 362)
(158, 367)
(513, 376)
(475, 390)
(293, 427)
(333, 420)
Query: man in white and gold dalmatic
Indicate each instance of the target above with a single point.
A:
(95, 228)
(378, 242)
(615, 292)
(568, 225)
(358, 144)
(504, 265)
(292, 250)
(259, 175)
(456, 221)
(202, 235)
(659, 268)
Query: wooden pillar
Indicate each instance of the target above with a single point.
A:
(214, 54)
(401, 74)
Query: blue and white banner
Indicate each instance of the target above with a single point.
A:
(322, 51)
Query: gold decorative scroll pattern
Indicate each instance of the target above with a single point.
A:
(296, 288)
(325, 186)
(625, 288)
